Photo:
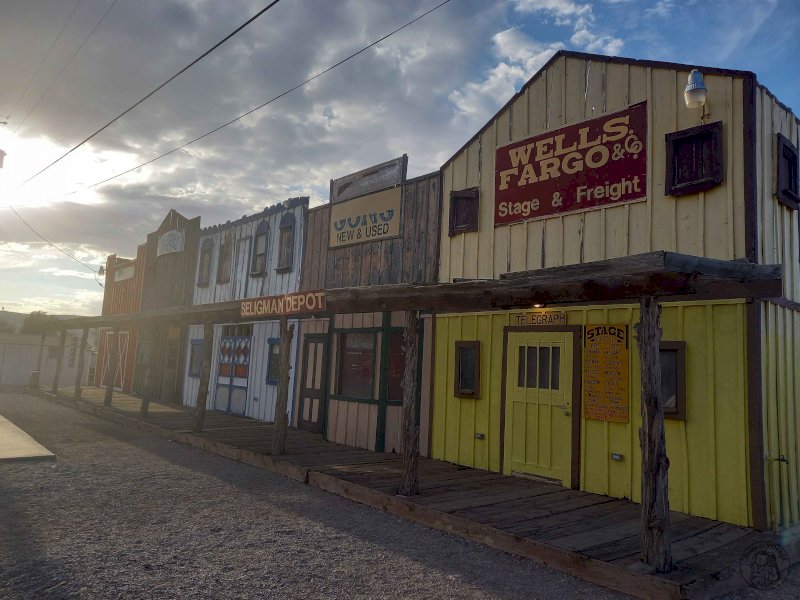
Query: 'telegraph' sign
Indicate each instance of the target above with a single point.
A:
(366, 219)
(595, 163)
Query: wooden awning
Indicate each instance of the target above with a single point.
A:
(668, 275)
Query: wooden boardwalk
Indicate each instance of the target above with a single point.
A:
(587, 535)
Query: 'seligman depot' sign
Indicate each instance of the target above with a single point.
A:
(594, 163)
(288, 304)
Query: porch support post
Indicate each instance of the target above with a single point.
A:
(409, 480)
(81, 356)
(656, 550)
(282, 402)
(59, 360)
(113, 365)
(205, 375)
(39, 362)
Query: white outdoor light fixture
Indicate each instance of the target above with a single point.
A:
(695, 93)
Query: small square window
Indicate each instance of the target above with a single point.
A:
(694, 159)
(464, 210)
(672, 356)
(274, 361)
(195, 358)
(786, 177)
(468, 370)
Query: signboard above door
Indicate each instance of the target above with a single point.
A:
(298, 303)
(587, 165)
(366, 219)
(372, 179)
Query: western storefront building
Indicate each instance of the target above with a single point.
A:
(594, 177)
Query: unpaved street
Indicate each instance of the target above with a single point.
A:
(123, 514)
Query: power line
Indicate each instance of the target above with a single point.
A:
(260, 106)
(64, 252)
(175, 76)
(64, 67)
(44, 59)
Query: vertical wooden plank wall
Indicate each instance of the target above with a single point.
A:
(708, 461)
(780, 335)
(571, 90)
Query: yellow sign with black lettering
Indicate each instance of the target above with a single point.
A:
(605, 373)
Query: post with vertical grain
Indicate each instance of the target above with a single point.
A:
(59, 360)
(205, 375)
(282, 402)
(409, 480)
(81, 362)
(656, 550)
(113, 365)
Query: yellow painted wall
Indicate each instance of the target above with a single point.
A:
(707, 452)
(572, 90)
(780, 347)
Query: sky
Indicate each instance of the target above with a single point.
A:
(423, 92)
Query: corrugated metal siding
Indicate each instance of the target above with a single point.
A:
(708, 456)
(572, 90)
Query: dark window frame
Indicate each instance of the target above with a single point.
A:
(261, 231)
(272, 343)
(714, 169)
(286, 230)
(470, 198)
(195, 346)
(206, 254)
(679, 413)
(458, 391)
(225, 258)
(787, 160)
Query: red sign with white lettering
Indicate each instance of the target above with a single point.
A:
(594, 163)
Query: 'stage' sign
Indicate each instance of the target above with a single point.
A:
(605, 373)
(288, 304)
(595, 163)
(366, 219)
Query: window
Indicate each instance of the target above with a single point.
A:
(260, 245)
(273, 360)
(468, 370)
(224, 264)
(195, 358)
(124, 272)
(539, 367)
(464, 211)
(694, 159)
(356, 365)
(397, 365)
(286, 243)
(787, 174)
(204, 268)
(673, 379)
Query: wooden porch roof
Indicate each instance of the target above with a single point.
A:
(668, 275)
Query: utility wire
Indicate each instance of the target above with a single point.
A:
(64, 252)
(260, 106)
(64, 66)
(44, 59)
(175, 76)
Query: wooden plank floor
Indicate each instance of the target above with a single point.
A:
(596, 526)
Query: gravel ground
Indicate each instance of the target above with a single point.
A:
(122, 514)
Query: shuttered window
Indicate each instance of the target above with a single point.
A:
(260, 245)
(786, 177)
(694, 159)
(204, 268)
(273, 361)
(225, 256)
(195, 358)
(464, 206)
(286, 243)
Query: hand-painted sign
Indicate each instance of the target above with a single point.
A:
(170, 241)
(595, 163)
(605, 373)
(288, 304)
(372, 179)
(539, 318)
(366, 219)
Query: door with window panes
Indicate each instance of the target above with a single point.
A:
(233, 368)
(539, 405)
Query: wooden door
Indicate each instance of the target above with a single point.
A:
(538, 407)
(122, 350)
(312, 398)
(233, 368)
(169, 378)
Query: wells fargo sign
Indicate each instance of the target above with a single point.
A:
(366, 219)
(605, 373)
(595, 163)
(288, 304)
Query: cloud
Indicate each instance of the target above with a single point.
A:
(56, 272)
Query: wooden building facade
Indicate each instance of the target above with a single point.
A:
(597, 159)
(351, 364)
(257, 255)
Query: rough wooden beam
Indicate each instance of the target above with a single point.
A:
(656, 550)
(113, 366)
(409, 480)
(59, 360)
(205, 374)
(282, 402)
(81, 356)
